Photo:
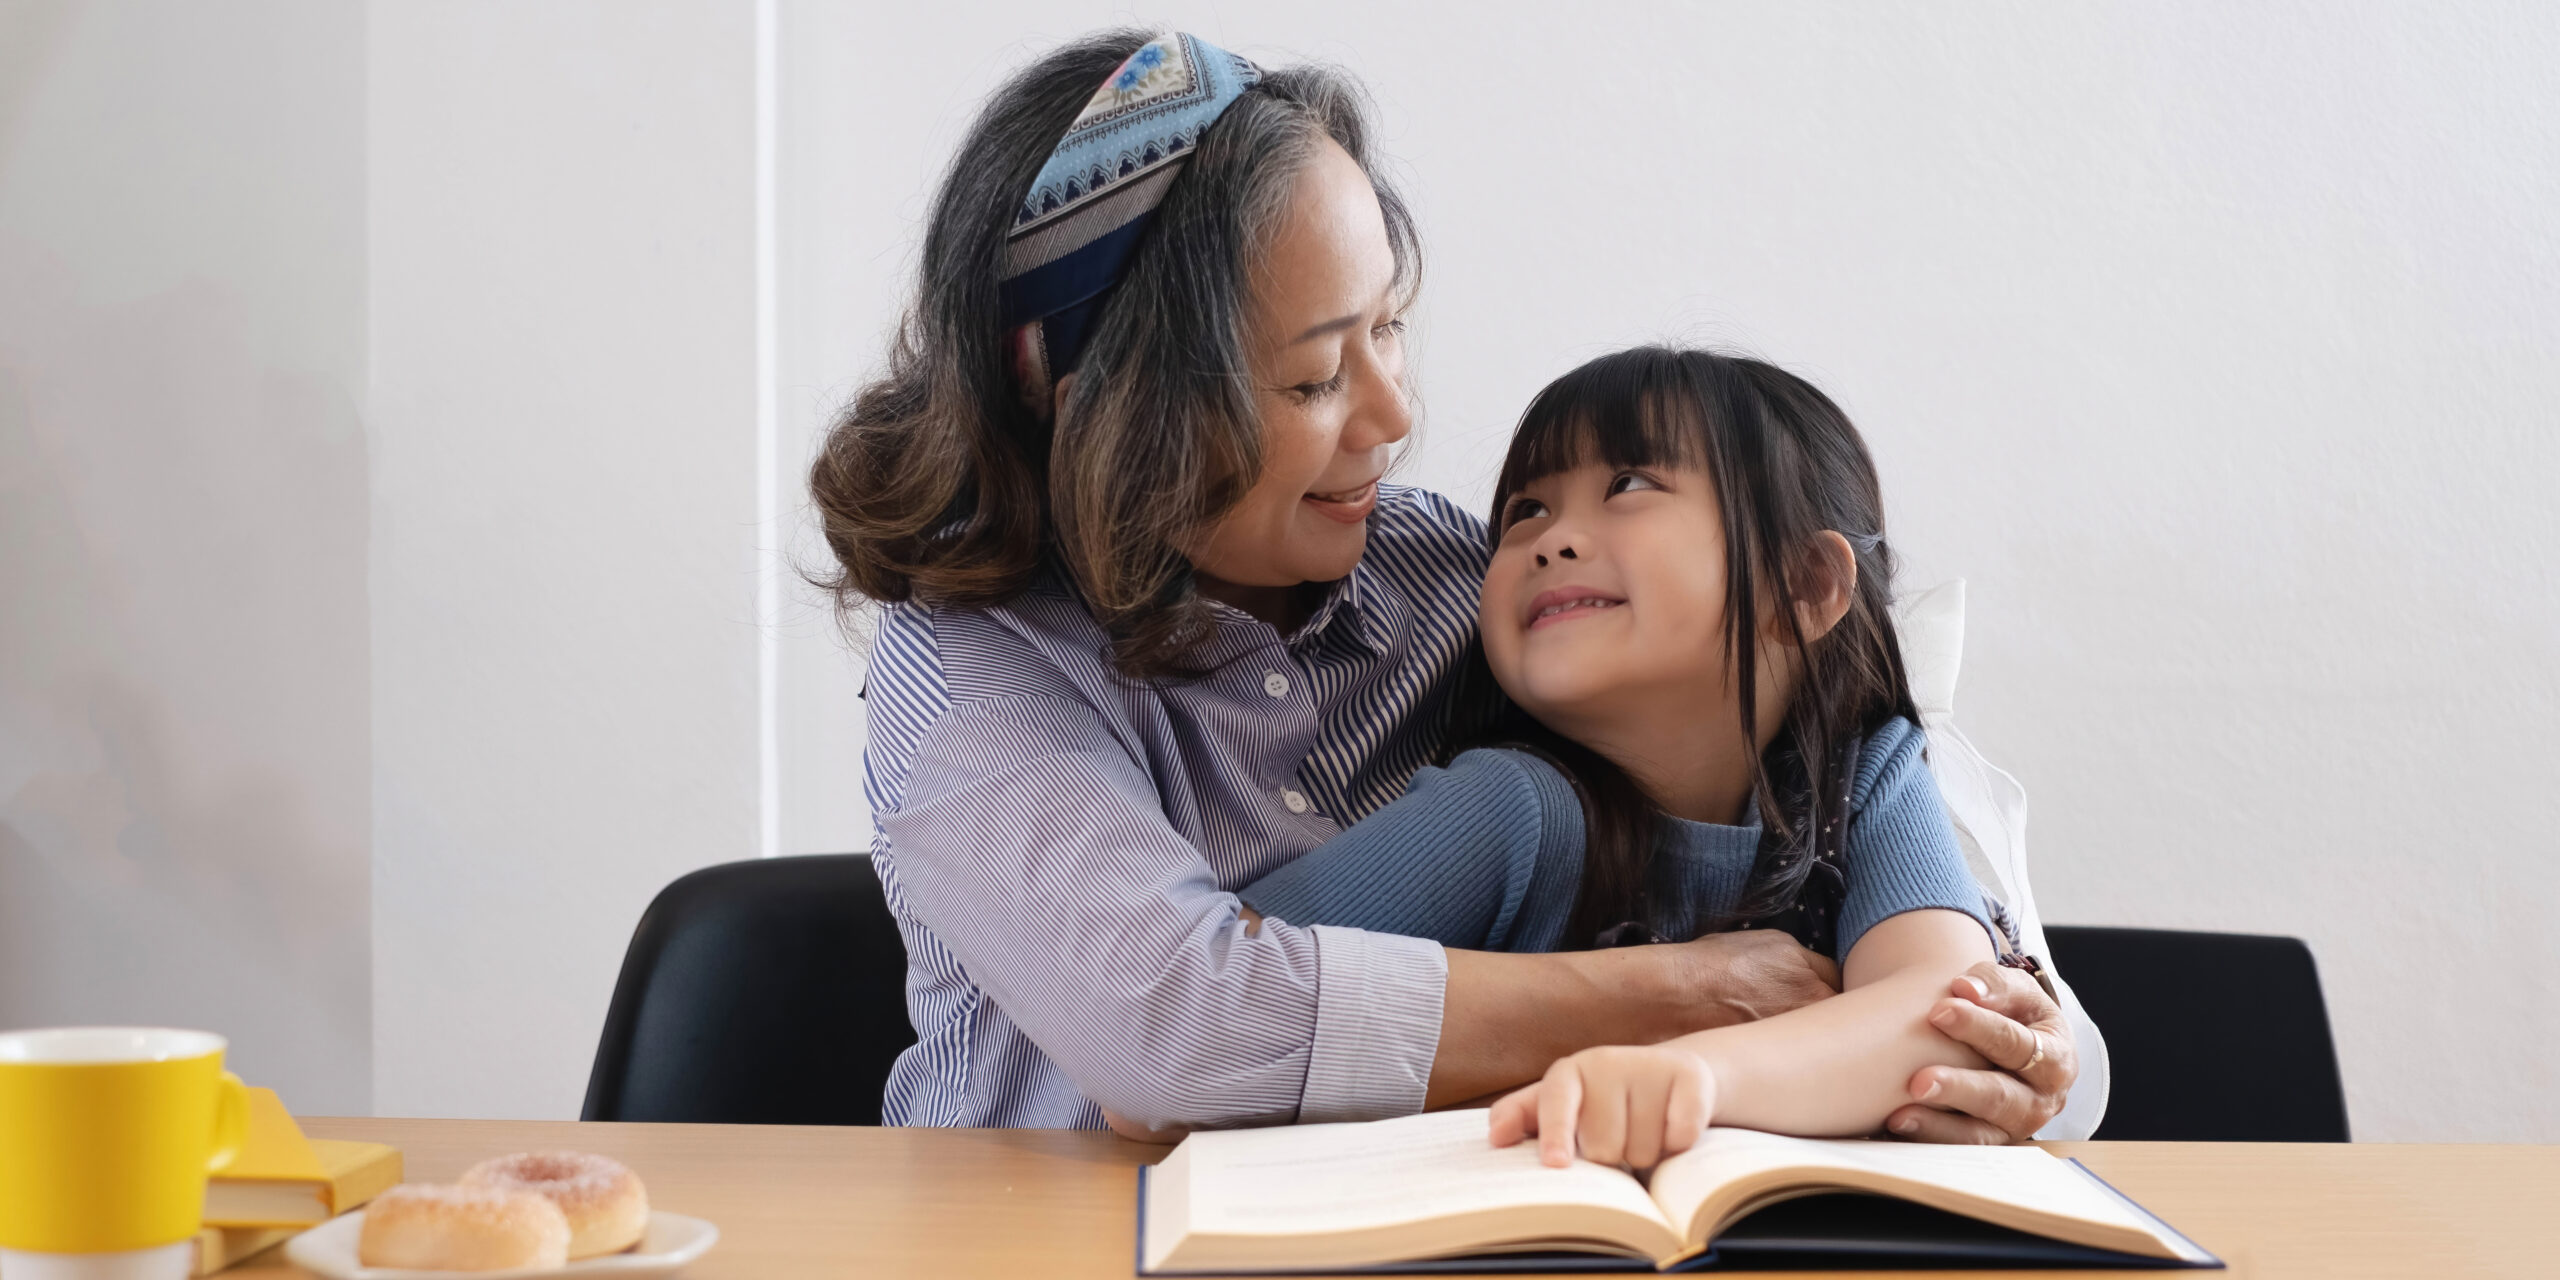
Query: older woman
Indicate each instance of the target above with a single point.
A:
(1156, 628)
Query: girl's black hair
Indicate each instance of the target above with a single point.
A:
(1786, 465)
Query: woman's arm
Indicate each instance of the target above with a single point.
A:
(1485, 857)
(1485, 854)
(1510, 1017)
(1507, 1018)
(1038, 853)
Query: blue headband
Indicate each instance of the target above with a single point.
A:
(1074, 234)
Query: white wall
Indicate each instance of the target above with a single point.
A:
(563, 406)
(184, 767)
(2211, 342)
(838, 265)
(365, 740)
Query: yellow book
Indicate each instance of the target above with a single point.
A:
(283, 1179)
(221, 1247)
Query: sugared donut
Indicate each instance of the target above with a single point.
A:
(431, 1228)
(605, 1204)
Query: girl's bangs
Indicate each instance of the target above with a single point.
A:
(1636, 408)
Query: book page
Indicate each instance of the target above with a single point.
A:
(1346, 1177)
(1731, 1170)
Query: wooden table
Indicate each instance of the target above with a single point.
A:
(1011, 1204)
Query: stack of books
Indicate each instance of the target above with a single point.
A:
(283, 1183)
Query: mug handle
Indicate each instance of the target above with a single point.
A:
(230, 1122)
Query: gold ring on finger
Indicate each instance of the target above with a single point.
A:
(2032, 1058)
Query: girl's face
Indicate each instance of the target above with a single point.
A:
(1328, 369)
(1606, 596)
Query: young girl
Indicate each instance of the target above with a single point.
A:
(1702, 723)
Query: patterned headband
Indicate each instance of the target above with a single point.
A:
(1074, 234)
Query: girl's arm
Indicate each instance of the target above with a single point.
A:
(1832, 1068)
(1838, 1068)
(1509, 1016)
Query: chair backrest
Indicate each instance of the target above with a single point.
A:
(2215, 1037)
(765, 992)
(1989, 809)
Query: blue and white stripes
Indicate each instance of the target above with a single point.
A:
(1060, 847)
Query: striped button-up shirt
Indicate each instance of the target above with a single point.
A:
(1060, 846)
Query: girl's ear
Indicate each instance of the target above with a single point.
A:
(1827, 581)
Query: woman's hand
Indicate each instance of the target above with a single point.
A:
(1136, 1132)
(1750, 974)
(2003, 1015)
(1506, 1017)
(1621, 1105)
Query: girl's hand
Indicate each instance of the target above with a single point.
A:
(1625, 1105)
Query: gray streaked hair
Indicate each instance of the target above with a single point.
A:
(939, 484)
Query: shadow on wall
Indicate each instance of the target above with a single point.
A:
(184, 718)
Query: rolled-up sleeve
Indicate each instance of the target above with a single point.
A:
(1378, 998)
(1032, 843)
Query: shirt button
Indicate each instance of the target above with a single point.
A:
(1297, 803)
(1276, 684)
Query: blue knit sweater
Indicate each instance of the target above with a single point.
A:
(1487, 855)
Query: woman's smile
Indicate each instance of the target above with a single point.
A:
(1350, 506)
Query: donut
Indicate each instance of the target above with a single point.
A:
(434, 1228)
(605, 1204)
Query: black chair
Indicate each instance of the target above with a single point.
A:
(2213, 1037)
(765, 992)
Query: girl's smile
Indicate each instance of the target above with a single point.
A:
(1609, 584)
(1570, 602)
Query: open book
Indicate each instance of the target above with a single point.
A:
(1395, 1193)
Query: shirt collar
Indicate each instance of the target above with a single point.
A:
(1348, 609)
(1340, 605)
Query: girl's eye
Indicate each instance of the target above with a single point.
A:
(1522, 509)
(1626, 480)
(1389, 329)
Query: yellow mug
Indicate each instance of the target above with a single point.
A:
(108, 1133)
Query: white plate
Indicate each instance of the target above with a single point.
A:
(671, 1241)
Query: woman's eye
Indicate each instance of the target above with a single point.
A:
(1389, 329)
(1306, 391)
(1626, 480)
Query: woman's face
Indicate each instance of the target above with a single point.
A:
(1605, 598)
(1328, 369)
